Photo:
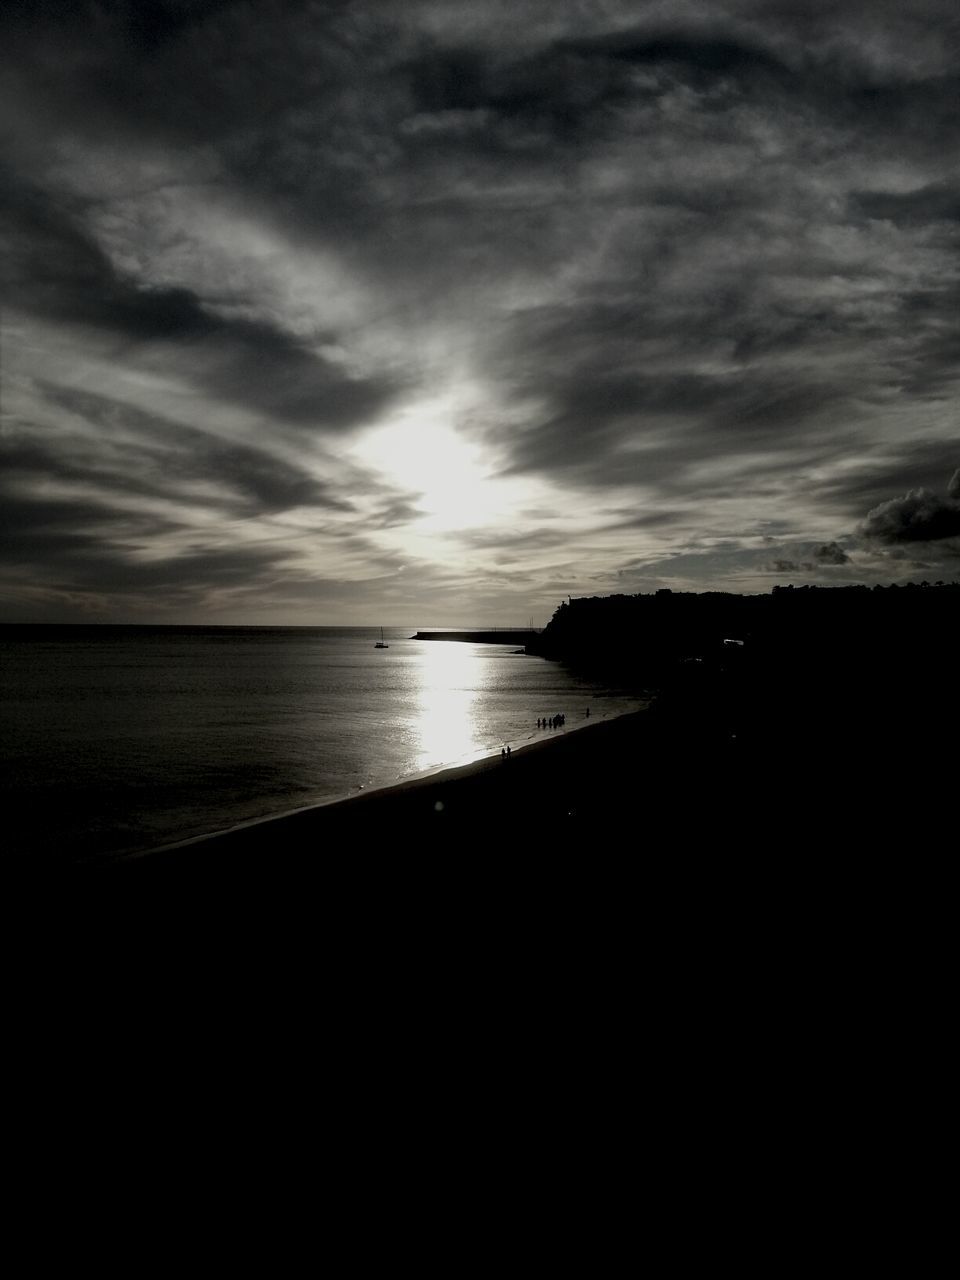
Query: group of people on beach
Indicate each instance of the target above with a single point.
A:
(544, 722)
(555, 722)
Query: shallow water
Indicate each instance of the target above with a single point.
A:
(115, 738)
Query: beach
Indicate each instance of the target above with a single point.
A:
(725, 778)
(115, 741)
(601, 791)
(535, 790)
(656, 859)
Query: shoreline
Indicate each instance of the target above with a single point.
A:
(484, 761)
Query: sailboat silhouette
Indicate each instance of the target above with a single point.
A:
(380, 643)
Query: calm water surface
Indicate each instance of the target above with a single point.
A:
(129, 737)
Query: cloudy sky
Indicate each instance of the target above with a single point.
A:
(440, 311)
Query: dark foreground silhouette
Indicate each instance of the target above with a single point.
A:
(720, 930)
(807, 734)
(730, 912)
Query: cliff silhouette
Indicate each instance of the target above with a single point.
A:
(822, 683)
(657, 630)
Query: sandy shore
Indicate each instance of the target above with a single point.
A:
(492, 807)
(387, 798)
(651, 843)
(540, 781)
(685, 779)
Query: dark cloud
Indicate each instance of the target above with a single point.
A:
(647, 519)
(919, 516)
(936, 202)
(53, 267)
(831, 553)
(150, 24)
(519, 541)
(604, 375)
(147, 454)
(91, 553)
(143, 24)
(692, 54)
(193, 573)
(37, 529)
(902, 465)
(395, 513)
(792, 566)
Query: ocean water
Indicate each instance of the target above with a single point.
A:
(118, 739)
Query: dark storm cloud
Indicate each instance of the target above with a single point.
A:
(918, 516)
(903, 465)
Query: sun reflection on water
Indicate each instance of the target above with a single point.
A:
(445, 726)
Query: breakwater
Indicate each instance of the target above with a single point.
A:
(521, 636)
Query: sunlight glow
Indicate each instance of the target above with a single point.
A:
(446, 724)
(423, 454)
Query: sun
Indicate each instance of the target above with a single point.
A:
(454, 482)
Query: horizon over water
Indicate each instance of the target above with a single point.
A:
(120, 738)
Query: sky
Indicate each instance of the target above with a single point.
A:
(436, 313)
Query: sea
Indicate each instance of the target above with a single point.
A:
(122, 739)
